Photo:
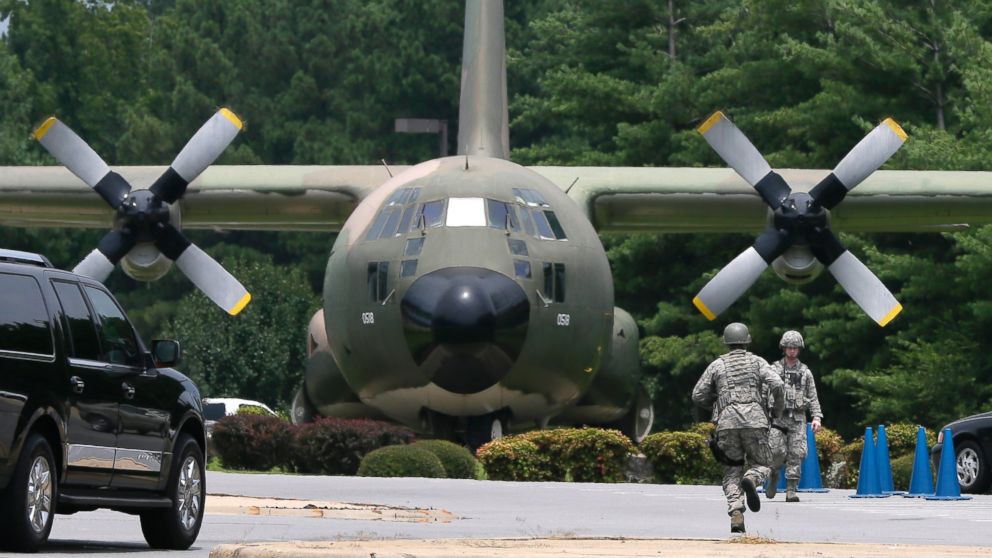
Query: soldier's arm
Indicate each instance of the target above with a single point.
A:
(811, 397)
(703, 394)
(776, 388)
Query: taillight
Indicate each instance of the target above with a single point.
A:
(940, 437)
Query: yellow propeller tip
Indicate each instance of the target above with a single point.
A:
(896, 128)
(45, 126)
(703, 309)
(891, 315)
(710, 122)
(237, 308)
(226, 112)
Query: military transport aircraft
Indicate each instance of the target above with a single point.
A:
(469, 294)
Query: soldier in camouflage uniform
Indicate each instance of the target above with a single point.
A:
(787, 439)
(733, 385)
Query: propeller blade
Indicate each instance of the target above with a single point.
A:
(865, 288)
(99, 263)
(202, 149)
(733, 147)
(737, 277)
(871, 153)
(858, 281)
(77, 156)
(209, 276)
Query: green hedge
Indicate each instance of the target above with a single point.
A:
(401, 461)
(458, 462)
(681, 458)
(513, 459)
(252, 442)
(331, 446)
(562, 454)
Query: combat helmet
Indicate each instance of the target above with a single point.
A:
(736, 334)
(791, 338)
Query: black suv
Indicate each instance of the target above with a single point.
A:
(88, 417)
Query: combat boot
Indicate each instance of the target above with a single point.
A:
(750, 488)
(771, 489)
(790, 490)
(737, 522)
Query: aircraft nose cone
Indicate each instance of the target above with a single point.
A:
(465, 326)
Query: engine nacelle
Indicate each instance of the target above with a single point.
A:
(325, 391)
(797, 265)
(616, 398)
(144, 262)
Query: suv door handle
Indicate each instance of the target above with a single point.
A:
(128, 390)
(77, 384)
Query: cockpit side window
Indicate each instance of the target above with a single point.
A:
(429, 215)
(395, 216)
(543, 227)
(502, 215)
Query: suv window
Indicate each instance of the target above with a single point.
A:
(116, 335)
(24, 324)
(214, 411)
(82, 332)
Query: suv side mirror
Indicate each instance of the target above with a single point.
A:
(165, 352)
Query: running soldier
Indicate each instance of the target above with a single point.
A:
(733, 385)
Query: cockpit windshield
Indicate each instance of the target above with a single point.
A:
(528, 212)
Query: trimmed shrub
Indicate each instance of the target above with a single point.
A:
(828, 445)
(458, 462)
(704, 428)
(902, 438)
(902, 472)
(595, 454)
(681, 458)
(513, 458)
(401, 461)
(332, 446)
(848, 477)
(560, 454)
(255, 442)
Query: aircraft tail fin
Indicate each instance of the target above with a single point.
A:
(483, 121)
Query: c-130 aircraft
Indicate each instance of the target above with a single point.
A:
(467, 296)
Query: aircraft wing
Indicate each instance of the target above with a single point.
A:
(256, 197)
(616, 199)
(628, 199)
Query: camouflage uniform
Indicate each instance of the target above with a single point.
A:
(732, 385)
(789, 446)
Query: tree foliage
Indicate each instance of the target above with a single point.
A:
(590, 84)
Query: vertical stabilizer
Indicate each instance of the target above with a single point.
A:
(483, 122)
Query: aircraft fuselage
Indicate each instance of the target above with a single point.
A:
(468, 286)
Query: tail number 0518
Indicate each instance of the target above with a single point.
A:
(368, 318)
(563, 320)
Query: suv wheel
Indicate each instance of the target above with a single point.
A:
(177, 527)
(27, 506)
(973, 473)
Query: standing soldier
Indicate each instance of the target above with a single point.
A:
(788, 437)
(733, 385)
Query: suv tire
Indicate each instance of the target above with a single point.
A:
(27, 506)
(177, 527)
(972, 470)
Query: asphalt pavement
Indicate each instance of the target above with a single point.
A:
(462, 509)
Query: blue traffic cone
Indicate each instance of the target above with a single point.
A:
(809, 476)
(921, 480)
(948, 487)
(867, 473)
(884, 464)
